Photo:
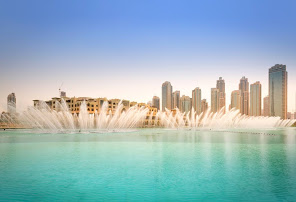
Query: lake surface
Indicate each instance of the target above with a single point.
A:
(148, 165)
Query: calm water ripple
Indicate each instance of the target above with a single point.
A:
(149, 165)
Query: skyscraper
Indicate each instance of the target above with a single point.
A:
(222, 96)
(236, 100)
(185, 103)
(266, 106)
(11, 103)
(204, 106)
(176, 99)
(278, 84)
(156, 102)
(214, 100)
(255, 97)
(245, 100)
(62, 94)
(167, 100)
(196, 100)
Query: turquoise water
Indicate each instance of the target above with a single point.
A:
(149, 165)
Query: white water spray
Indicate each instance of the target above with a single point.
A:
(42, 117)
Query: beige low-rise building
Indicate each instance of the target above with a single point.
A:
(94, 105)
(73, 104)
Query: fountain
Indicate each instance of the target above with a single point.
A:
(44, 118)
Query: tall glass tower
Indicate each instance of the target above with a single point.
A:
(185, 104)
(176, 100)
(236, 100)
(266, 106)
(167, 100)
(196, 100)
(245, 95)
(155, 102)
(222, 96)
(278, 85)
(255, 104)
(214, 100)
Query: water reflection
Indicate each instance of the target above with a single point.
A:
(152, 164)
(278, 136)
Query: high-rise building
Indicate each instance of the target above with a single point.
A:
(156, 102)
(245, 95)
(185, 103)
(222, 96)
(278, 84)
(204, 106)
(255, 97)
(236, 100)
(196, 100)
(167, 91)
(266, 106)
(176, 99)
(214, 100)
(63, 94)
(11, 103)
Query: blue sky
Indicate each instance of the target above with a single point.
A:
(127, 49)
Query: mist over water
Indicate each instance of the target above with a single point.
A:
(61, 119)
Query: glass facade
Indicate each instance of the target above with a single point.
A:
(196, 100)
(167, 90)
(214, 100)
(245, 101)
(155, 102)
(278, 91)
(255, 106)
(222, 96)
(176, 99)
(185, 104)
(236, 100)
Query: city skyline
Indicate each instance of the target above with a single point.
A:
(228, 97)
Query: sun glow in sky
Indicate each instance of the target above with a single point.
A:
(127, 49)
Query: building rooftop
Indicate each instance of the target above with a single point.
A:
(277, 67)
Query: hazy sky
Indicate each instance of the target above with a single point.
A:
(127, 49)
